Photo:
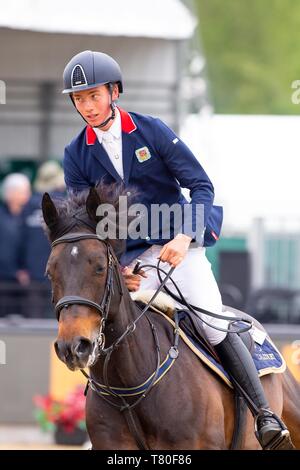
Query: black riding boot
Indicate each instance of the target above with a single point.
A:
(235, 357)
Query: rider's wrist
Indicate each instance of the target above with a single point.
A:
(182, 236)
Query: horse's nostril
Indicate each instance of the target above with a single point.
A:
(62, 349)
(56, 347)
(83, 347)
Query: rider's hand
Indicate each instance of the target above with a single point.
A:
(174, 251)
(133, 281)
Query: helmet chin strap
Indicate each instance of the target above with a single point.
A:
(111, 117)
(112, 107)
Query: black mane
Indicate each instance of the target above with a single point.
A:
(72, 214)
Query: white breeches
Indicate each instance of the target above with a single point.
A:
(197, 283)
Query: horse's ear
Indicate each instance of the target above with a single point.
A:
(92, 203)
(49, 210)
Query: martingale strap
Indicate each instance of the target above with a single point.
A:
(139, 389)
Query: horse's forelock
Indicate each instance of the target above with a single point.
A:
(67, 207)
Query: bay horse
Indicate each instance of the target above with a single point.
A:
(101, 328)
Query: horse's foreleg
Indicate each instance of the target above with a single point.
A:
(106, 426)
(291, 406)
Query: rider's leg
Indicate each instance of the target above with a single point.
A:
(198, 285)
(271, 432)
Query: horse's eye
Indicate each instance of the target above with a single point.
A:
(99, 270)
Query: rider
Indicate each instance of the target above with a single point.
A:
(142, 152)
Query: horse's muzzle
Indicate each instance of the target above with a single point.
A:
(76, 353)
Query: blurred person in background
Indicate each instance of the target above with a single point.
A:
(16, 192)
(35, 246)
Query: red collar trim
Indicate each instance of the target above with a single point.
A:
(127, 123)
(90, 136)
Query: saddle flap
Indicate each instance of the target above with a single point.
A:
(191, 325)
(163, 302)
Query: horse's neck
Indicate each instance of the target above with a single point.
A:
(123, 312)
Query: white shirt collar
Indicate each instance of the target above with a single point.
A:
(115, 129)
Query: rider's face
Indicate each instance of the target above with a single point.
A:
(94, 104)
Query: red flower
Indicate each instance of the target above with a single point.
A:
(68, 413)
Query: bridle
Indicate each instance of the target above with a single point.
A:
(103, 310)
(103, 307)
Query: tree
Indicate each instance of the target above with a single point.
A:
(252, 52)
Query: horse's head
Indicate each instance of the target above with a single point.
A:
(81, 268)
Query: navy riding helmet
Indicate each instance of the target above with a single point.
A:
(90, 69)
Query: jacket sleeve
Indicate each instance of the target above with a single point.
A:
(74, 179)
(184, 166)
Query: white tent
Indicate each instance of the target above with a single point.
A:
(168, 19)
(38, 38)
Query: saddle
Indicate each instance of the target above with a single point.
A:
(265, 355)
(189, 323)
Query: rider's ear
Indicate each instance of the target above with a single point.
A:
(49, 210)
(92, 203)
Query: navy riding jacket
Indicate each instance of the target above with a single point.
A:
(156, 163)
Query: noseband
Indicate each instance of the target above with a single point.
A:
(103, 307)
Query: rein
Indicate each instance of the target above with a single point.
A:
(193, 308)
